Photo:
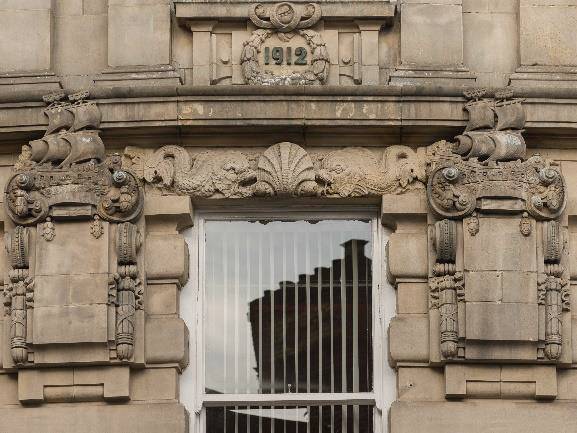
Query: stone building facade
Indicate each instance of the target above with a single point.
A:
(295, 216)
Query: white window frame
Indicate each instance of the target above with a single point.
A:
(384, 382)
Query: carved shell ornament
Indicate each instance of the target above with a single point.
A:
(285, 20)
(285, 169)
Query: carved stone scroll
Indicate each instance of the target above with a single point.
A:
(19, 292)
(128, 289)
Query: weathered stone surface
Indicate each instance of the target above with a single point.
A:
(501, 322)
(499, 246)
(407, 255)
(545, 32)
(154, 384)
(439, 40)
(70, 324)
(166, 258)
(137, 418)
(420, 384)
(8, 389)
(138, 34)
(162, 299)
(166, 341)
(20, 49)
(483, 416)
(412, 298)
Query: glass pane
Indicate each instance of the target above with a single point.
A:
(288, 306)
(311, 419)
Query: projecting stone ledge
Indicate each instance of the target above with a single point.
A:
(483, 417)
(134, 418)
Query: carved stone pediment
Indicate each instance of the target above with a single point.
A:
(283, 170)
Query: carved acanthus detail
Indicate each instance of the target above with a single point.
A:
(18, 292)
(446, 286)
(285, 169)
(128, 291)
(552, 287)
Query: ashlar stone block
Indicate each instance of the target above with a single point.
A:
(166, 341)
(500, 246)
(154, 384)
(439, 39)
(409, 338)
(138, 34)
(167, 257)
(407, 255)
(72, 251)
(25, 36)
(547, 33)
(501, 321)
(70, 324)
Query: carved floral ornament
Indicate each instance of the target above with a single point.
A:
(285, 21)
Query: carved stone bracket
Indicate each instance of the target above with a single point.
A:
(284, 169)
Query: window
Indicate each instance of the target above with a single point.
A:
(286, 331)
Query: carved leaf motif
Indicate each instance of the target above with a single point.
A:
(285, 169)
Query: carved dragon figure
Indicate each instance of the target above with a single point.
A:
(355, 172)
(202, 175)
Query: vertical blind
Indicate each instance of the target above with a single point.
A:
(288, 310)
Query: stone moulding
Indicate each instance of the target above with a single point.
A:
(282, 170)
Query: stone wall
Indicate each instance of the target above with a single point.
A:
(119, 117)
